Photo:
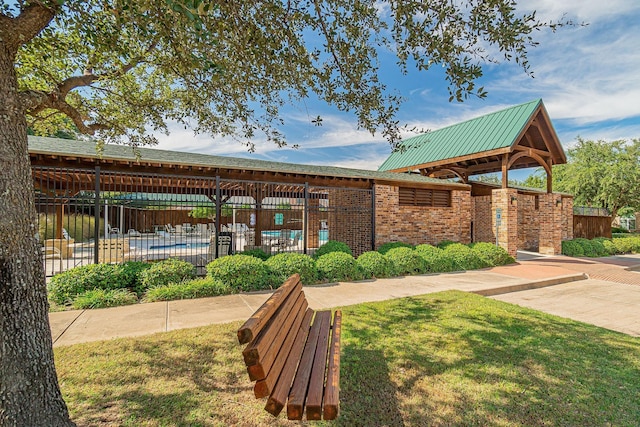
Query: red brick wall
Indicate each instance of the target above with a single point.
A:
(350, 218)
(567, 218)
(550, 224)
(507, 200)
(528, 223)
(419, 224)
(483, 228)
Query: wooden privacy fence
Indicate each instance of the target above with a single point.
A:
(590, 227)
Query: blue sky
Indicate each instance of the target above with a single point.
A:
(587, 76)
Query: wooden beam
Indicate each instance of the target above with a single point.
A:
(549, 176)
(505, 170)
(530, 150)
(454, 160)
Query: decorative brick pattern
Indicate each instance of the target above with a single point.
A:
(418, 224)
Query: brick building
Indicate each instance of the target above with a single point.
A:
(412, 198)
(518, 137)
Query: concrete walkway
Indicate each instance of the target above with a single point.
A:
(533, 280)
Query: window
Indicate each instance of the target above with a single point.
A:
(424, 197)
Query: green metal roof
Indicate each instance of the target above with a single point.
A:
(84, 149)
(485, 133)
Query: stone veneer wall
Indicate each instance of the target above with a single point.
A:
(350, 218)
(419, 224)
(528, 222)
(483, 227)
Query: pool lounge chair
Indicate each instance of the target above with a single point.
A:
(116, 251)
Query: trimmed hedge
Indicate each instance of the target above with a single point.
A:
(464, 258)
(332, 246)
(242, 273)
(406, 261)
(572, 248)
(197, 288)
(258, 253)
(374, 264)
(287, 263)
(386, 247)
(491, 254)
(165, 272)
(64, 287)
(338, 266)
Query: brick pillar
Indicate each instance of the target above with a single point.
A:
(550, 224)
(567, 218)
(506, 199)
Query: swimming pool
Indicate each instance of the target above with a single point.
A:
(274, 234)
(180, 246)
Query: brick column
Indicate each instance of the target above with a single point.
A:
(567, 218)
(550, 224)
(507, 200)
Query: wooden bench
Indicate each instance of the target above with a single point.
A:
(294, 355)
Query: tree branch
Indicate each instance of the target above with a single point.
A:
(15, 32)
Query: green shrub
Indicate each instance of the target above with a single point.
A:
(285, 264)
(587, 247)
(242, 273)
(491, 254)
(332, 246)
(167, 271)
(441, 262)
(619, 230)
(338, 266)
(383, 249)
(196, 288)
(131, 275)
(434, 258)
(445, 243)
(609, 246)
(406, 261)
(464, 258)
(101, 298)
(572, 248)
(374, 264)
(258, 253)
(64, 287)
(600, 247)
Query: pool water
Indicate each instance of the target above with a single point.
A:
(181, 246)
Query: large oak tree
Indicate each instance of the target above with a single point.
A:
(120, 70)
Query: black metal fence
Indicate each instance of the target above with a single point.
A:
(91, 216)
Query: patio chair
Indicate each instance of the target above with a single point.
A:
(52, 253)
(284, 239)
(170, 228)
(224, 245)
(115, 251)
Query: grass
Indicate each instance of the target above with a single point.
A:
(442, 359)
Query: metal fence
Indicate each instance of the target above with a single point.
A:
(91, 216)
(589, 211)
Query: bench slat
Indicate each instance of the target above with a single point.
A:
(272, 371)
(319, 368)
(261, 317)
(260, 370)
(331, 404)
(257, 348)
(278, 397)
(298, 394)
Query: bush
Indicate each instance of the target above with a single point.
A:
(600, 247)
(383, 249)
(64, 287)
(241, 273)
(131, 275)
(374, 264)
(406, 261)
(445, 243)
(437, 261)
(619, 230)
(338, 266)
(491, 254)
(572, 248)
(332, 246)
(101, 298)
(463, 257)
(197, 288)
(285, 264)
(258, 253)
(587, 247)
(609, 246)
(164, 272)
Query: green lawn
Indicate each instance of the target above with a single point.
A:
(442, 359)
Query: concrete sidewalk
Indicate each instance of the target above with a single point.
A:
(71, 327)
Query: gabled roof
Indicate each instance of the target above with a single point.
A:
(474, 145)
(73, 153)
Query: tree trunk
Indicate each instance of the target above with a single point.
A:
(29, 391)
